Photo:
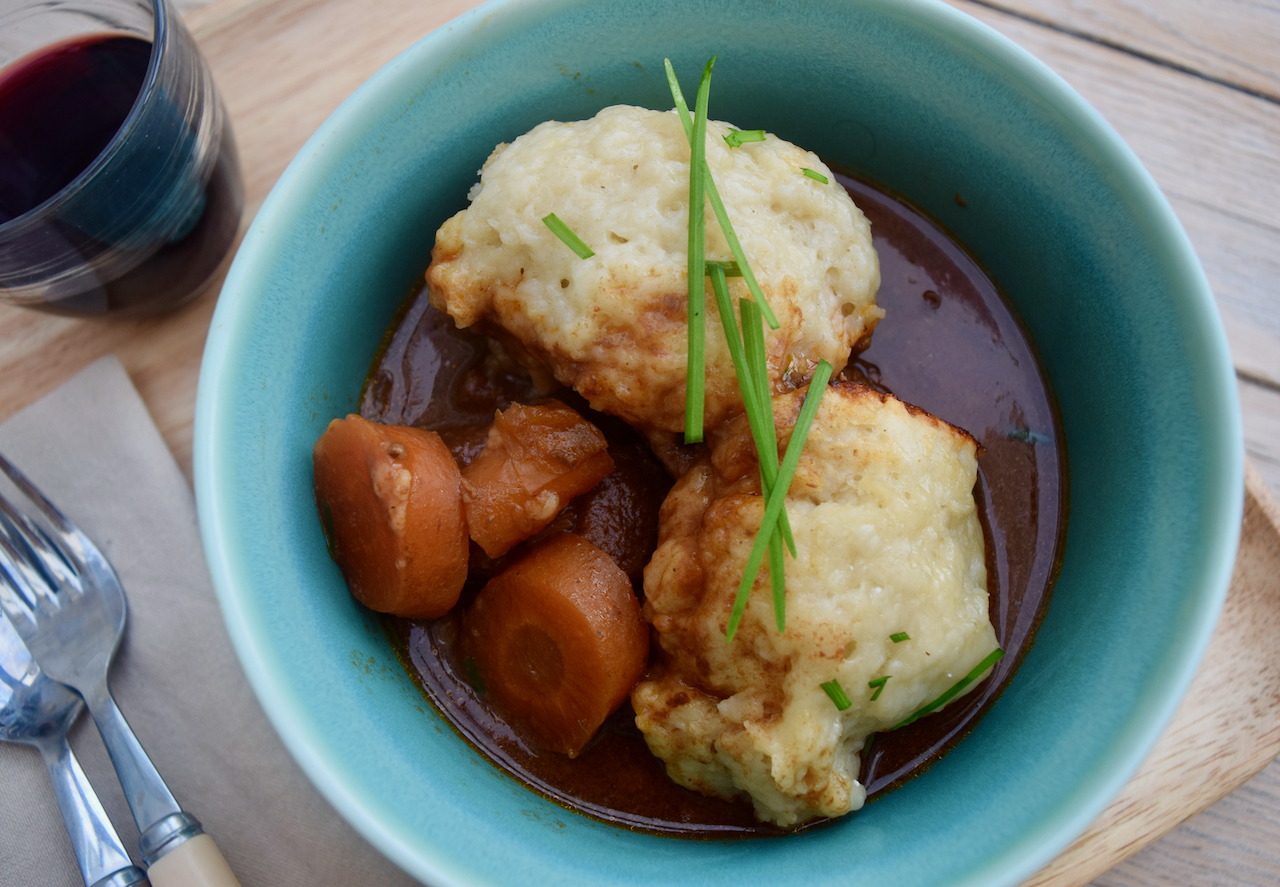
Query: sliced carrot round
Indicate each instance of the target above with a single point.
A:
(559, 641)
(390, 502)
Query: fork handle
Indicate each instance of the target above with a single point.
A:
(149, 798)
(196, 862)
(177, 852)
(102, 858)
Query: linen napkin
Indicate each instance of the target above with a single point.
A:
(93, 449)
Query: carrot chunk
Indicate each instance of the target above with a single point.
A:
(559, 641)
(535, 459)
(390, 502)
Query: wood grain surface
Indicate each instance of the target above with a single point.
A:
(1209, 749)
(1213, 148)
(1194, 88)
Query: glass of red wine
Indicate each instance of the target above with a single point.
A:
(120, 190)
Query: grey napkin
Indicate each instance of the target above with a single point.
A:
(94, 450)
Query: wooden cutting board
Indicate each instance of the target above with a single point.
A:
(1228, 726)
(283, 65)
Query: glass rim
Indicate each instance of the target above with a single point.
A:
(159, 34)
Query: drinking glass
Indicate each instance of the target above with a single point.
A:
(120, 189)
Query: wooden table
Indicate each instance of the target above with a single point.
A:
(1195, 90)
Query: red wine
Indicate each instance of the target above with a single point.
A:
(60, 108)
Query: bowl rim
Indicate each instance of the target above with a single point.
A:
(1226, 498)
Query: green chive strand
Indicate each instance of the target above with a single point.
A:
(837, 695)
(717, 205)
(696, 383)
(776, 502)
(992, 658)
(566, 235)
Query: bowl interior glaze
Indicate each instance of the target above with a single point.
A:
(909, 93)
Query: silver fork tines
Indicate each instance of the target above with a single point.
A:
(22, 568)
(37, 553)
(28, 537)
(65, 601)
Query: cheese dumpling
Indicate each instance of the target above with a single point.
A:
(888, 543)
(613, 326)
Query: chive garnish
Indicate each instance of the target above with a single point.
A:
(778, 579)
(696, 381)
(899, 636)
(571, 240)
(878, 685)
(815, 175)
(720, 286)
(759, 409)
(776, 502)
(756, 402)
(730, 269)
(739, 137)
(758, 364)
(767, 438)
(837, 694)
(992, 658)
(748, 352)
(738, 353)
(717, 205)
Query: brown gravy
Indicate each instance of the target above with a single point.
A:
(949, 343)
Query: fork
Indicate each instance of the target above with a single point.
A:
(37, 711)
(63, 597)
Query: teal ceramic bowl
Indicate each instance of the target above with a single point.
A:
(910, 93)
